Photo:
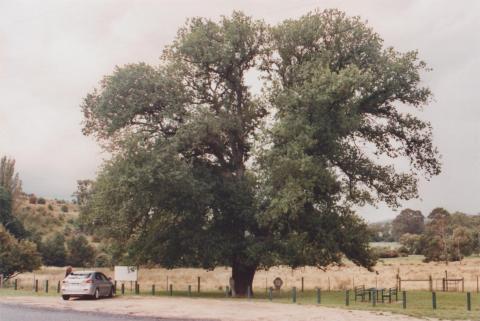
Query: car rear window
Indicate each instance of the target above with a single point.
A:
(79, 275)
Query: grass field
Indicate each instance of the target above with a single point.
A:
(450, 306)
(334, 278)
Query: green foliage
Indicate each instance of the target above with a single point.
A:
(381, 232)
(50, 207)
(16, 256)
(197, 179)
(80, 252)
(41, 201)
(53, 251)
(64, 208)
(408, 221)
(412, 243)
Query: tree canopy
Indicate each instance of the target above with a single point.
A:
(206, 173)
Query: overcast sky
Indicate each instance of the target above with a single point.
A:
(52, 53)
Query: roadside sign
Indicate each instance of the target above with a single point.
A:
(126, 273)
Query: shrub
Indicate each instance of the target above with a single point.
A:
(64, 208)
(32, 199)
(42, 201)
(50, 207)
(385, 252)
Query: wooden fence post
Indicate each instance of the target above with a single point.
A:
(302, 283)
(36, 285)
(404, 299)
(171, 289)
(198, 284)
(469, 302)
(153, 289)
(319, 298)
(270, 294)
(294, 294)
(434, 300)
(430, 281)
(189, 290)
(347, 297)
(123, 288)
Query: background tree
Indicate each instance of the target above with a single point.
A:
(10, 190)
(186, 187)
(412, 243)
(408, 221)
(53, 250)
(80, 252)
(436, 239)
(16, 256)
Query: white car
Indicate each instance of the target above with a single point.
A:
(87, 284)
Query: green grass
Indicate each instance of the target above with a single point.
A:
(450, 305)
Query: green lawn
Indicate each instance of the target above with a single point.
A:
(450, 306)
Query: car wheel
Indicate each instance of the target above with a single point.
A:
(66, 297)
(110, 295)
(96, 296)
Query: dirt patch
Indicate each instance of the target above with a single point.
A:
(191, 308)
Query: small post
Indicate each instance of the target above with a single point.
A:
(329, 289)
(390, 295)
(115, 287)
(270, 294)
(294, 294)
(319, 298)
(399, 283)
(463, 284)
(138, 289)
(135, 289)
(198, 284)
(226, 291)
(347, 298)
(374, 297)
(15, 284)
(404, 299)
(189, 290)
(434, 300)
(46, 286)
(383, 296)
(171, 289)
(430, 283)
(249, 292)
(36, 285)
(477, 284)
(123, 288)
(58, 287)
(302, 284)
(153, 289)
(469, 302)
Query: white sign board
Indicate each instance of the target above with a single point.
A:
(126, 273)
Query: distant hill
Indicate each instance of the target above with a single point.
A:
(44, 217)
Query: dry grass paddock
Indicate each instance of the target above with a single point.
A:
(334, 278)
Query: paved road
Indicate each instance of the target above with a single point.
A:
(14, 312)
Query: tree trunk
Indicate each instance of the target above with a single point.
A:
(243, 278)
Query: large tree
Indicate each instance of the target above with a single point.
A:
(16, 256)
(201, 176)
(408, 221)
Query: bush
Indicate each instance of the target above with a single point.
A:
(42, 201)
(50, 207)
(385, 252)
(64, 208)
(32, 199)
